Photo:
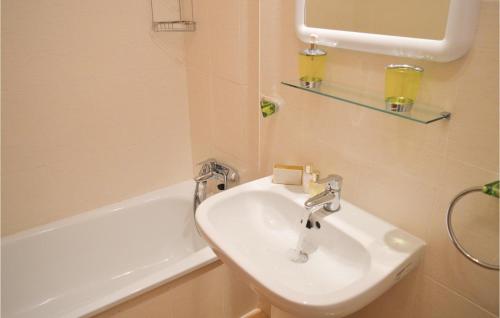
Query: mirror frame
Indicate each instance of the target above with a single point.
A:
(463, 16)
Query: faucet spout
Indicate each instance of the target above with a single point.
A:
(318, 201)
(328, 199)
(211, 169)
(204, 177)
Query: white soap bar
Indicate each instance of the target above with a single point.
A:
(285, 174)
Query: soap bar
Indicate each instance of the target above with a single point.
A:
(285, 174)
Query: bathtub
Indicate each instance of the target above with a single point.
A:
(85, 264)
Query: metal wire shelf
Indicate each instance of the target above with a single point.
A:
(182, 20)
(179, 26)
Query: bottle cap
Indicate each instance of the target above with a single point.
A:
(313, 49)
(405, 67)
(308, 168)
(315, 177)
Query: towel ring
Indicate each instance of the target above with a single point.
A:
(453, 237)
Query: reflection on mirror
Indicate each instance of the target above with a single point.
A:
(424, 19)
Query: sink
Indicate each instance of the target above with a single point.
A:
(353, 256)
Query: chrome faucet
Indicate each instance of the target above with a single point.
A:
(212, 169)
(329, 199)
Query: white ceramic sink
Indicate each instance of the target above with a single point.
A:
(353, 257)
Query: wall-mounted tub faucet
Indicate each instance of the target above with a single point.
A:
(212, 169)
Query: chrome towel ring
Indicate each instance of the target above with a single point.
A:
(452, 235)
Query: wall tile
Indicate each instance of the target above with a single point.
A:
(198, 43)
(228, 51)
(399, 301)
(474, 129)
(200, 113)
(238, 298)
(227, 118)
(489, 16)
(436, 301)
(410, 202)
(442, 261)
(72, 106)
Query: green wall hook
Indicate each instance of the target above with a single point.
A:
(270, 105)
(491, 188)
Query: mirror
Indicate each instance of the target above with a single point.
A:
(437, 30)
(391, 17)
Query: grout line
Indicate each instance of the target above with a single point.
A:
(459, 295)
(259, 90)
(471, 165)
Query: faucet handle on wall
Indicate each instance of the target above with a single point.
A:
(209, 161)
(206, 166)
(219, 169)
(332, 181)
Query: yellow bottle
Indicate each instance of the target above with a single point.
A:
(312, 64)
(402, 83)
(314, 186)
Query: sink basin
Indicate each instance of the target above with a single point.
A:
(353, 257)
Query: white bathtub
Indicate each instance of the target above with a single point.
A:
(81, 265)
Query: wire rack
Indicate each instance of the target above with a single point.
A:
(181, 22)
(179, 26)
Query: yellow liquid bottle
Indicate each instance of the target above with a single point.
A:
(315, 187)
(402, 83)
(312, 62)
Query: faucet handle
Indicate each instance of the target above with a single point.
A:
(219, 169)
(206, 161)
(332, 181)
(206, 166)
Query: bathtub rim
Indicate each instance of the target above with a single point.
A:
(197, 260)
(155, 195)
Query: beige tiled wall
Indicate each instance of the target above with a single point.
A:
(94, 108)
(401, 171)
(222, 67)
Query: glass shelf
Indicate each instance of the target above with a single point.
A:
(420, 113)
